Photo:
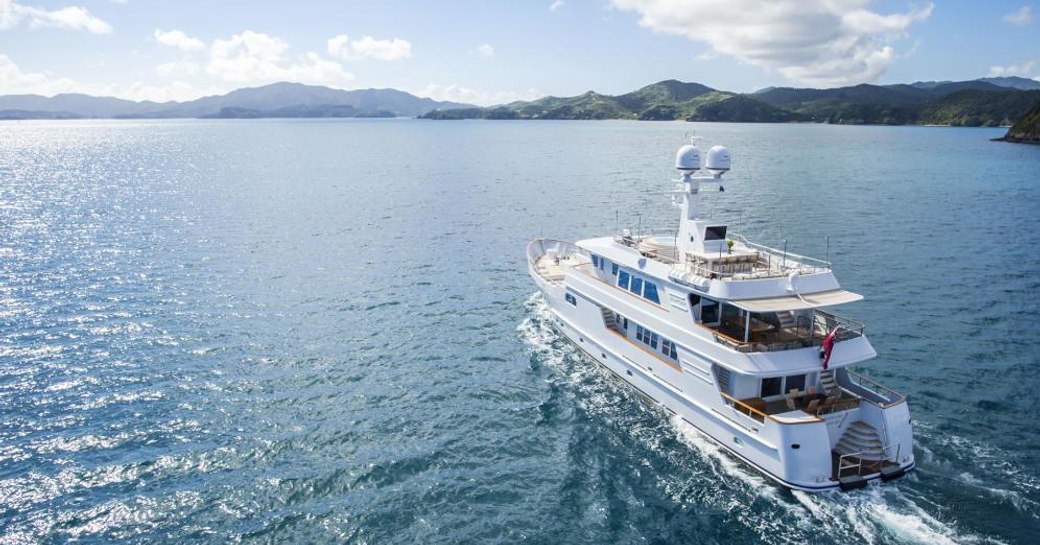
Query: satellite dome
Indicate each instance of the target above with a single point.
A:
(718, 159)
(688, 158)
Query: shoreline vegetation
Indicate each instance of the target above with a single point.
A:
(975, 103)
(1026, 130)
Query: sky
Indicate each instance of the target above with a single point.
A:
(496, 51)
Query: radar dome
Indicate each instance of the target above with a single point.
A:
(688, 158)
(718, 159)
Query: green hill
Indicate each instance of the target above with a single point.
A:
(969, 103)
(1027, 129)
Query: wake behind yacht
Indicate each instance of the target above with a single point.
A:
(738, 339)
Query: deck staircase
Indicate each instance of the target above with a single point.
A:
(861, 439)
(608, 318)
(827, 381)
(787, 319)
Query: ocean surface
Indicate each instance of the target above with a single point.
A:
(297, 331)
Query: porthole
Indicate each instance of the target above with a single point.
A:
(796, 446)
(629, 371)
(737, 440)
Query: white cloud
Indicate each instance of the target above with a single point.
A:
(556, 5)
(255, 57)
(178, 39)
(1012, 69)
(458, 93)
(178, 69)
(368, 47)
(15, 80)
(1022, 17)
(816, 42)
(71, 17)
(484, 51)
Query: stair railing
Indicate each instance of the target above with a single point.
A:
(853, 460)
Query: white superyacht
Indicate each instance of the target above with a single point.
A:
(738, 339)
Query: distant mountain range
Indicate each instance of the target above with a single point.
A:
(275, 100)
(981, 102)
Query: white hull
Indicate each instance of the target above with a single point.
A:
(693, 394)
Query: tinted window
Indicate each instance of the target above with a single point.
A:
(637, 285)
(650, 292)
(795, 381)
(595, 260)
(622, 280)
(717, 232)
(771, 386)
(613, 269)
(570, 299)
(710, 311)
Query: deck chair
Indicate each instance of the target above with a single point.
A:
(813, 405)
(810, 390)
(790, 403)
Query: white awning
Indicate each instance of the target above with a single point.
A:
(792, 302)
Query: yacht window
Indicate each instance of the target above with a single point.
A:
(795, 381)
(637, 285)
(570, 299)
(695, 299)
(595, 261)
(716, 232)
(771, 386)
(613, 269)
(650, 292)
(668, 349)
(622, 280)
(653, 340)
(709, 311)
(640, 333)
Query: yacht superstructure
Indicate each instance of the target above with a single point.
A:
(737, 338)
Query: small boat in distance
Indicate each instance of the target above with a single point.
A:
(737, 338)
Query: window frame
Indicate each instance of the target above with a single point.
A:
(623, 279)
(632, 286)
(647, 286)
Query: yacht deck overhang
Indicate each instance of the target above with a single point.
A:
(797, 302)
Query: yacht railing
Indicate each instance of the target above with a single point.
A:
(824, 322)
(801, 335)
(542, 246)
(781, 258)
(869, 390)
(854, 461)
(759, 415)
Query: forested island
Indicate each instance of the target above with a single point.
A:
(987, 102)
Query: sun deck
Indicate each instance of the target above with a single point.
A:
(743, 260)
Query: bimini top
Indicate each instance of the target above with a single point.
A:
(798, 302)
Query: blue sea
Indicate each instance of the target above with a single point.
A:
(322, 331)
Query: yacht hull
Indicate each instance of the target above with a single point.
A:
(694, 397)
